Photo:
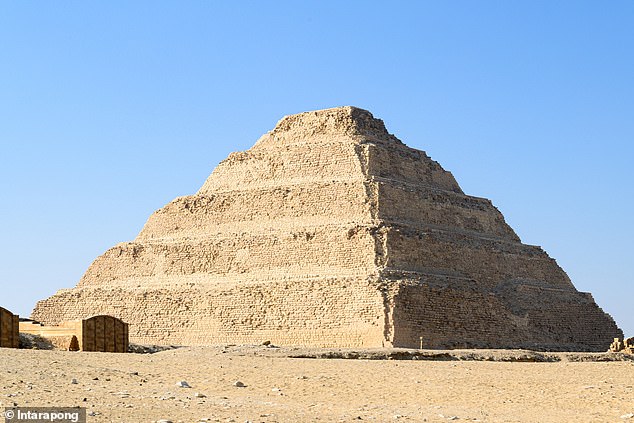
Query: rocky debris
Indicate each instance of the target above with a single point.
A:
(495, 355)
(200, 395)
(64, 343)
(74, 381)
(268, 344)
(35, 342)
(625, 346)
(239, 384)
(183, 384)
(149, 349)
(628, 415)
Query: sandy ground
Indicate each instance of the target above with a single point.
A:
(142, 387)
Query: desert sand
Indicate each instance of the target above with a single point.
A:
(279, 388)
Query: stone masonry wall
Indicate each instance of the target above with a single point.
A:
(342, 312)
(489, 261)
(285, 166)
(326, 250)
(397, 162)
(259, 210)
(550, 319)
(420, 205)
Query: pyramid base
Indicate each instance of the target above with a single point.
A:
(344, 312)
(432, 311)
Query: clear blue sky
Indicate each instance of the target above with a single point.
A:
(109, 110)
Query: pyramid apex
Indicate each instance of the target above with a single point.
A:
(346, 121)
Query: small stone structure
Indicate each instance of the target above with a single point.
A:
(624, 346)
(97, 333)
(9, 322)
(331, 232)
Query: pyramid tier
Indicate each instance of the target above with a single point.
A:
(422, 205)
(336, 312)
(488, 261)
(343, 158)
(397, 309)
(257, 169)
(260, 210)
(319, 250)
(291, 206)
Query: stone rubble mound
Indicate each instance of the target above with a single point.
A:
(625, 346)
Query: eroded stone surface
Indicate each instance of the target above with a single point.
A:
(331, 232)
(625, 346)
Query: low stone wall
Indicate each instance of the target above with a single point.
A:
(97, 333)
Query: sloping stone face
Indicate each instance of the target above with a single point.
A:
(331, 232)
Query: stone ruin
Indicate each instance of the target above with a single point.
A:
(97, 333)
(331, 232)
(623, 346)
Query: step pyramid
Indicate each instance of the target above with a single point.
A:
(331, 232)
